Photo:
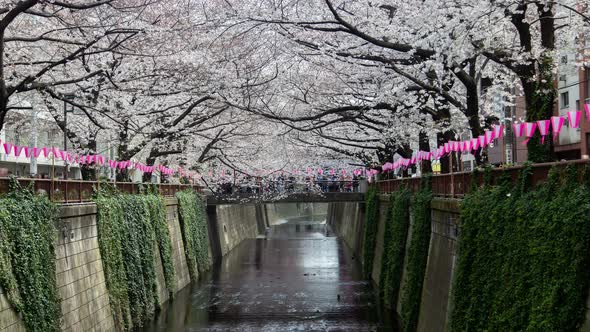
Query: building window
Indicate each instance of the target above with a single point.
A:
(588, 85)
(564, 60)
(563, 78)
(565, 100)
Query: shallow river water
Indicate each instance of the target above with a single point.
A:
(300, 278)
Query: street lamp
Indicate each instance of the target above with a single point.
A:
(68, 108)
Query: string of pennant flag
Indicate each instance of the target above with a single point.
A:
(90, 159)
(524, 129)
(553, 125)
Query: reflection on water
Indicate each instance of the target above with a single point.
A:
(298, 279)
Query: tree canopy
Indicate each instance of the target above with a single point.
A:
(274, 84)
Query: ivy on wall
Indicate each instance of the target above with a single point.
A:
(111, 236)
(138, 252)
(394, 246)
(370, 230)
(27, 258)
(193, 223)
(417, 258)
(130, 228)
(524, 256)
(157, 209)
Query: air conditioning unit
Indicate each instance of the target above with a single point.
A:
(563, 78)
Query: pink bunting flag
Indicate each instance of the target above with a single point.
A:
(489, 136)
(344, 172)
(467, 146)
(529, 131)
(519, 129)
(574, 118)
(462, 146)
(320, 171)
(474, 144)
(498, 131)
(27, 152)
(7, 148)
(45, 152)
(556, 125)
(456, 146)
(332, 172)
(482, 141)
(36, 152)
(543, 126)
(447, 147)
(18, 150)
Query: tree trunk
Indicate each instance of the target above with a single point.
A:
(445, 162)
(147, 177)
(540, 94)
(424, 145)
(88, 172)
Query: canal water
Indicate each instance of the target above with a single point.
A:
(299, 278)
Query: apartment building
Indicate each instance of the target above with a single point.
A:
(24, 129)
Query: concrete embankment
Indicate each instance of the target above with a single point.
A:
(347, 220)
(79, 266)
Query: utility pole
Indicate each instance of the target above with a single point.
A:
(65, 139)
(35, 137)
(66, 110)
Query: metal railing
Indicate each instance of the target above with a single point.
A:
(456, 185)
(77, 191)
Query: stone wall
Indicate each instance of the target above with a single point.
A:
(80, 278)
(436, 292)
(181, 272)
(277, 212)
(234, 223)
(346, 219)
(379, 245)
(9, 321)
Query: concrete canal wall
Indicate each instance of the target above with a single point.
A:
(347, 220)
(278, 212)
(79, 266)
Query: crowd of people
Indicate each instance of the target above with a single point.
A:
(291, 184)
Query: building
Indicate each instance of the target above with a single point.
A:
(24, 128)
(573, 93)
(509, 150)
